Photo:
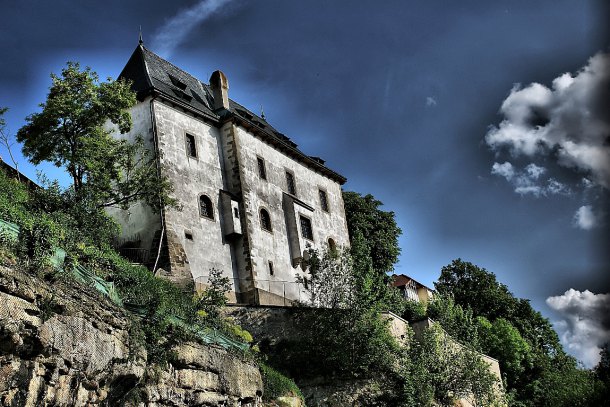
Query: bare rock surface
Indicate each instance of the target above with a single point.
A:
(63, 344)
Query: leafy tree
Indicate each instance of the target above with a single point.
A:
(378, 228)
(6, 138)
(211, 300)
(70, 132)
(349, 328)
(457, 321)
(503, 341)
(438, 371)
(476, 288)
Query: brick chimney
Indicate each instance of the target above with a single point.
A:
(220, 90)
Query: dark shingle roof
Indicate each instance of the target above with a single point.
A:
(151, 74)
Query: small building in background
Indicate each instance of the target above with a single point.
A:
(412, 289)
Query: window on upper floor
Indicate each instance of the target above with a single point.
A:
(206, 209)
(323, 200)
(306, 230)
(191, 147)
(290, 184)
(262, 171)
(271, 268)
(265, 220)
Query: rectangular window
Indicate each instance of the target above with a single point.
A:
(262, 171)
(271, 268)
(306, 230)
(323, 200)
(290, 185)
(191, 148)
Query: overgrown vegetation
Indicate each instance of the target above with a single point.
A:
(277, 385)
(479, 311)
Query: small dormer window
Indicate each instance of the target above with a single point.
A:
(177, 82)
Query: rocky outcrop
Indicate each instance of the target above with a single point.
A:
(63, 344)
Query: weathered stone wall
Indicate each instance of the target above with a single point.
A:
(192, 177)
(65, 345)
(139, 219)
(270, 194)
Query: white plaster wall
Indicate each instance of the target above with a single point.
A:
(139, 219)
(192, 177)
(268, 194)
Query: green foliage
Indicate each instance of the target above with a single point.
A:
(349, 329)
(438, 370)
(536, 369)
(377, 227)
(210, 301)
(70, 133)
(277, 385)
(13, 199)
(501, 340)
(413, 310)
(38, 239)
(457, 321)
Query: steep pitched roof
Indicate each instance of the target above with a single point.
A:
(151, 74)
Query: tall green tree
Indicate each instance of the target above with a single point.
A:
(377, 227)
(71, 133)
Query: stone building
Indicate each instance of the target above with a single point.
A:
(252, 202)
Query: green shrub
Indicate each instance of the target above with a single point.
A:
(277, 385)
(13, 198)
(38, 240)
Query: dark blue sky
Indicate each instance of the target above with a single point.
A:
(398, 96)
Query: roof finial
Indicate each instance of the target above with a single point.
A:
(140, 40)
(262, 113)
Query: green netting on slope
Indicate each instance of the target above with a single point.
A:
(9, 228)
(85, 276)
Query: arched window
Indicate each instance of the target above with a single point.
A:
(332, 246)
(265, 220)
(206, 209)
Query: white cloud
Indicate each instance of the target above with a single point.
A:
(174, 30)
(505, 170)
(585, 323)
(430, 101)
(585, 218)
(569, 122)
(528, 181)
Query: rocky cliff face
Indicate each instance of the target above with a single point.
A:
(63, 344)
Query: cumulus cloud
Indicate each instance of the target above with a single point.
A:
(585, 218)
(584, 326)
(175, 30)
(529, 181)
(569, 122)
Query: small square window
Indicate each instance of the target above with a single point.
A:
(262, 171)
(191, 148)
(306, 230)
(290, 185)
(323, 200)
(188, 235)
